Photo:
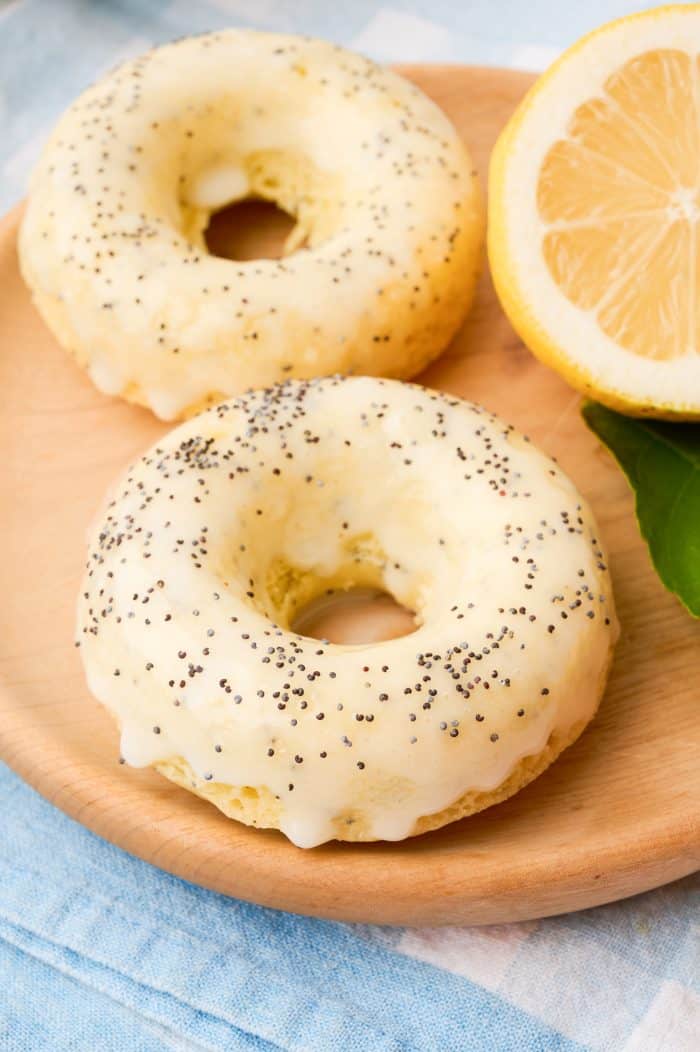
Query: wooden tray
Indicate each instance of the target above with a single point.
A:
(617, 814)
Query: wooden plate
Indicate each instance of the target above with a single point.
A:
(617, 814)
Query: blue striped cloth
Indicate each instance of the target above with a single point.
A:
(101, 951)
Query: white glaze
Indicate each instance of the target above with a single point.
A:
(383, 191)
(449, 534)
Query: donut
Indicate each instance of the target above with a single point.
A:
(383, 191)
(219, 537)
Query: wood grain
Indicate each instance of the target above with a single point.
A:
(617, 814)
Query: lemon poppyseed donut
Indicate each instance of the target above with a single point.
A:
(382, 189)
(228, 527)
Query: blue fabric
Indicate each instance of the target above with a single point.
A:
(131, 947)
(100, 951)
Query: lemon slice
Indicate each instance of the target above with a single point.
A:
(594, 226)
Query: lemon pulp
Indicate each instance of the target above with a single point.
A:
(619, 201)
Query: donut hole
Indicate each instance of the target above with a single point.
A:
(249, 229)
(319, 555)
(354, 615)
(265, 204)
(346, 598)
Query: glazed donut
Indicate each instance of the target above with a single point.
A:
(233, 522)
(383, 192)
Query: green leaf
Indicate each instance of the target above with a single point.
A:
(662, 464)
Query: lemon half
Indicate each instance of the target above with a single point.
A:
(594, 224)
